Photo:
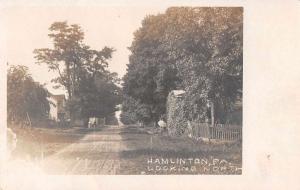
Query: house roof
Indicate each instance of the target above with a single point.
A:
(58, 96)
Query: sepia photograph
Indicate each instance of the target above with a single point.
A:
(127, 94)
(125, 90)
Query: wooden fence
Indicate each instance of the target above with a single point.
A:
(218, 131)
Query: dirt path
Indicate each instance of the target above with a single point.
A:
(96, 153)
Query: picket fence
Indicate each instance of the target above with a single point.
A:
(218, 131)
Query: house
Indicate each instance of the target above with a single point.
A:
(57, 110)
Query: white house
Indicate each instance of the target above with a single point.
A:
(57, 110)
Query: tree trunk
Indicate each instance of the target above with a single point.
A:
(212, 109)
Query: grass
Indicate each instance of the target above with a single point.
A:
(37, 142)
(143, 147)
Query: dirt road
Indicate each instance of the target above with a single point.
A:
(96, 153)
(130, 150)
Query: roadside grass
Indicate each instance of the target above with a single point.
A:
(143, 147)
(35, 143)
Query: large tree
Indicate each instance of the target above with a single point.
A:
(79, 70)
(208, 47)
(151, 73)
(25, 97)
(195, 49)
(70, 55)
(97, 96)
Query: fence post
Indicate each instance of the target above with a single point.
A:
(212, 108)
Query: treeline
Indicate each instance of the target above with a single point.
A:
(25, 97)
(199, 50)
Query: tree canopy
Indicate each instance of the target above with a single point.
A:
(151, 73)
(82, 71)
(198, 50)
(25, 96)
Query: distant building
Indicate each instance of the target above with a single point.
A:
(58, 107)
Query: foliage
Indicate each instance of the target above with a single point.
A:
(134, 111)
(198, 50)
(209, 54)
(97, 96)
(151, 74)
(81, 70)
(25, 96)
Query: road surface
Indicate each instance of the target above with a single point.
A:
(96, 153)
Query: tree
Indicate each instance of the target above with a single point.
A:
(25, 96)
(79, 67)
(209, 54)
(151, 74)
(134, 111)
(97, 96)
(195, 49)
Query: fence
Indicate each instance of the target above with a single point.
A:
(218, 131)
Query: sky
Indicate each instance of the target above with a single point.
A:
(26, 29)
